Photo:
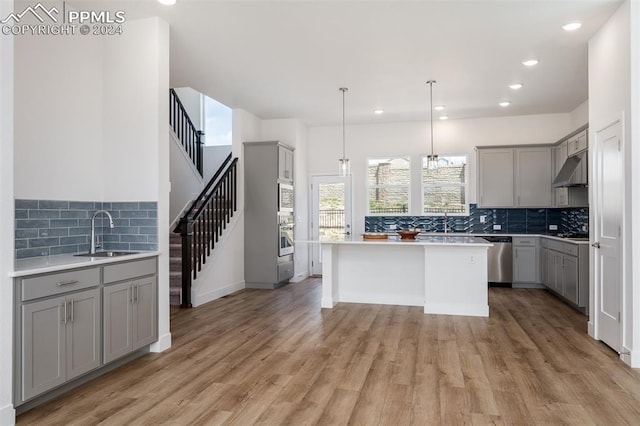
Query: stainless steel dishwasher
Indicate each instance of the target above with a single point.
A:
(500, 260)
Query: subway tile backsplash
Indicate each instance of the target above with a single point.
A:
(511, 221)
(50, 227)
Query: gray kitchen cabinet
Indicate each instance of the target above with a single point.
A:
(533, 177)
(268, 214)
(61, 340)
(495, 177)
(514, 177)
(526, 263)
(285, 163)
(577, 143)
(129, 309)
(575, 195)
(60, 328)
(568, 272)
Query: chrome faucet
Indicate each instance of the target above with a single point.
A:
(92, 248)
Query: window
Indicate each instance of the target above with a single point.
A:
(444, 190)
(388, 182)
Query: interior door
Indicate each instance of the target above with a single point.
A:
(609, 173)
(331, 213)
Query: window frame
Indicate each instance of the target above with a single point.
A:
(408, 185)
(424, 185)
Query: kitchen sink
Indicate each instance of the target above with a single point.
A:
(107, 254)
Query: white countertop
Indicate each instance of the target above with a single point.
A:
(423, 240)
(44, 264)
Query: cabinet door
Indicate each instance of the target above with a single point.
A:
(533, 177)
(495, 177)
(144, 312)
(544, 266)
(285, 163)
(525, 265)
(117, 319)
(43, 346)
(578, 143)
(83, 332)
(570, 276)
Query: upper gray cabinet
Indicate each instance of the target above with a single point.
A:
(495, 177)
(577, 143)
(514, 177)
(533, 177)
(575, 194)
(285, 163)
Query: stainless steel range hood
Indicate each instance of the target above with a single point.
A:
(568, 169)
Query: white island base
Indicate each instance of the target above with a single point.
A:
(445, 275)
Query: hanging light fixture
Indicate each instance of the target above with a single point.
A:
(432, 159)
(345, 169)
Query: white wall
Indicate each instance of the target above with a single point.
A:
(613, 77)
(58, 117)
(7, 412)
(130, 114)
(186, 182)
(212, 159)
(193, 103)
(412, 138)
(580, 115)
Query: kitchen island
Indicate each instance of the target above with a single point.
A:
(444, 274)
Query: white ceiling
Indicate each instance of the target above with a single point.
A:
(287, 59)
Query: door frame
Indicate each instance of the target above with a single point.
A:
(594, 272)
(318, 179)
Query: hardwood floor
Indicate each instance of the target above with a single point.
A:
(274, 357)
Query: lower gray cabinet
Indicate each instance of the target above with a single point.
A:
(568, 271)
(61, 340)
(69, 323)
(129, 316)
(526, 265)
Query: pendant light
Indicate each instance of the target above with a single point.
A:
(432, 159)
(345, 169)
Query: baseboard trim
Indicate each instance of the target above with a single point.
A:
(163, 343)
(210, 296)
(7, 415)
(382, 299)
(300, 277)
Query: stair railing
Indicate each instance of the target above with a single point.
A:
(187, 134)
(203, 224)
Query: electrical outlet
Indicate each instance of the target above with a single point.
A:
(553, 227)
(392, 227)
(483, 219)
(497, 227)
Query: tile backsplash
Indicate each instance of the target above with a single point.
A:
(50, 227)
(511, 221)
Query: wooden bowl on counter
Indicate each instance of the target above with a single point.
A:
(374, 236)
(408, 235)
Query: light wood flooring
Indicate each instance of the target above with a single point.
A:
(274, 357)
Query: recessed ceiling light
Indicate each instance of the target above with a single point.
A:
(378, 111)
(504, 104)
(515, 86)
(439, 107)
(167, 2)
(572, 26)
(444, 117)
(530, 62)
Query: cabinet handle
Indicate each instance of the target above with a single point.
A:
(68, 282)
(131, 294)
(72, 309)
(65, 312)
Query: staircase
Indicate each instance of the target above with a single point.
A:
(201, 227)
(175, 269)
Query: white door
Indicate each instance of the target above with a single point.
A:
(609, 173)
(330, 213)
